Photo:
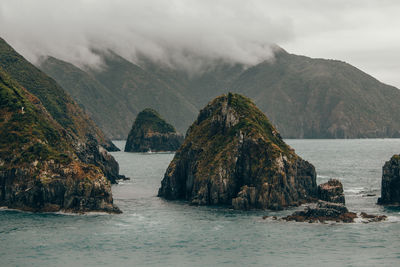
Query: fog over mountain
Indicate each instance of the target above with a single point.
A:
(190, 33)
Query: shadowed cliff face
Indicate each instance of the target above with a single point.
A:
(151, 133)
(390, 191)
(232, 155)
(39, 166)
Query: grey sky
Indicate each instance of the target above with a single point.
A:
(365, 33)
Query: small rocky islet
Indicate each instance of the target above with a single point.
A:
(232, 155)
(330, 207)
(151, 133)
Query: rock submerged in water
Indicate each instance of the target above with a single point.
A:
(331, 191)
(328, 211)
(151, 133)
(390, 191)
(323, 211)
(331, 207)
(232, 155)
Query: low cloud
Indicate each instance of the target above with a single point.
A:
(176, 32)
(187, 33)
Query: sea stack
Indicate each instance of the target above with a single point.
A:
(390, 191)
(152, 133)
(232, 155)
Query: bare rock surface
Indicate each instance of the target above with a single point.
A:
(390, 190)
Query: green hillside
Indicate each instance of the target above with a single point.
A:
(60, 105)
(303, 97)
(100, 103)
(318, 98)
(40, 170)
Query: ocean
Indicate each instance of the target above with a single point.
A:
(155, 232)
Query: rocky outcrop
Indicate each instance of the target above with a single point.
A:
(77, 128)
(323, 211)
(390, 191)
(151, 133)
(328, 211)
(54, 187)
(233, 156)
(41, 168)
(93, 153)
(331, 191)
(331, 207)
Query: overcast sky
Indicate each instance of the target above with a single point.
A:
(364, 33)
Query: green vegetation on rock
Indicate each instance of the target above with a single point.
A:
(149, 119)
(303, 97)
(57, 102)
(152, 133)
(233, 155)
(39, 166)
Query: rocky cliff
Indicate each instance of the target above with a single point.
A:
(151, 133)
(390, 191)
(86, 138)
(40, 169)
(232, 155)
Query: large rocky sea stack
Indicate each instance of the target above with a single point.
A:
(390, 191)
(233, 155)
(151, 133)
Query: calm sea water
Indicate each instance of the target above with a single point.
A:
(154, 232)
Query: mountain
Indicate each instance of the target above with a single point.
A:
(232, 155)
(150, 132)
(303, 97)
(108, 111)
(88, 140)
(318, 98)
(60, 105)
(40, 169)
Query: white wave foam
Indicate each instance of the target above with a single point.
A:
(355, 190)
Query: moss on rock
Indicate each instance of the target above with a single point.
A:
(233, 155)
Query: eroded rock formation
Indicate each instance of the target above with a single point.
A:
(232, 155)
(390, 191)
(331, 191)
(151, 133)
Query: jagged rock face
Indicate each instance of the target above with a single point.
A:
(390, 191)
(92, 153)
(56, 187)
(331, 191)
(232, 155)
(40, 167)
(151, 133)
